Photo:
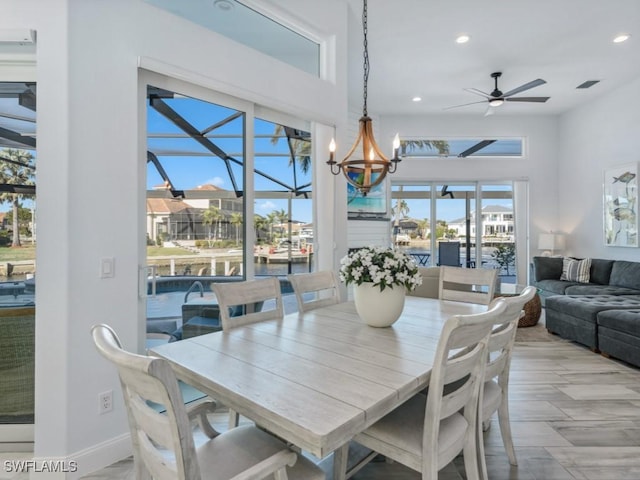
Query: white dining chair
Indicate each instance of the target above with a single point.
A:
(429, 288)
(241, 303)
(315, 289)
(495, 397)
(428, 431)
(472, 285)
(163, 443)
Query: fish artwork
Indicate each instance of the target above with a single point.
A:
(622, 213)
(626, 177)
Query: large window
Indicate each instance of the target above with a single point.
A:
(463, 147)
(471, 225)
(18, 154)
(228, 198)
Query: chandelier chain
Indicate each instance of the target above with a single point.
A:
(366, 58)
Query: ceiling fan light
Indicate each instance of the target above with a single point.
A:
(496, 102)
(623, 37)
(464, 38)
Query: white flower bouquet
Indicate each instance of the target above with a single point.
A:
(380, 266)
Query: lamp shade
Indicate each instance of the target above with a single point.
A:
(551, 241)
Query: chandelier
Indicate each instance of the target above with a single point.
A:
(368, 171)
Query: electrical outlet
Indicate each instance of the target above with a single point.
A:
(106, 401)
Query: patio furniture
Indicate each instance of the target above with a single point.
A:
(163, 442)
(449, 254)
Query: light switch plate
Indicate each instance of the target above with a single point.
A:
(107, 267)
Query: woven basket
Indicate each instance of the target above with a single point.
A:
(532, 310)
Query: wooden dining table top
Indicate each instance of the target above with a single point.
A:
(318, 378)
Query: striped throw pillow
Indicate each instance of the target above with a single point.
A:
(575, 270)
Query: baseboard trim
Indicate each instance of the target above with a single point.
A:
(88, 460)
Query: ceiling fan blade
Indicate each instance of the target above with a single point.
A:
(464, 105)
(478, 92)
(475, 148)
(526, 86)
(527, 99)
(490, 111)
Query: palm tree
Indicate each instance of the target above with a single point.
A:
(236, 220)
(259, 223)
(272, 218)
(300, 148)
(17, 169)
(422, 225)
(211, 216)
(442, 146)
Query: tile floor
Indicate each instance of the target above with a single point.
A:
(575, 416)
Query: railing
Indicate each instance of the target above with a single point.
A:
(193, 286)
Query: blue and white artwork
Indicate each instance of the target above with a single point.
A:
(621, 206)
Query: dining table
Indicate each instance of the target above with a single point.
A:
(318, 378)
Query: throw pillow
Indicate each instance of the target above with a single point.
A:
(576, 270)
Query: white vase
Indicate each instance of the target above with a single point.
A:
(376, 308)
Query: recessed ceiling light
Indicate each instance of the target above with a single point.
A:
(464, 38)
(224, 5)
(416, 99)
(623, 37)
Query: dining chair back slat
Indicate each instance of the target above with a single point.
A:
(315, 289)
(471, 285)
(242, 303)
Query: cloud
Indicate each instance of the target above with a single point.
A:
(216, 181)
(267, 206)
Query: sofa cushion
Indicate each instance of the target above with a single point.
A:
(625, 274)
(587, 307)
(557, 287)
(621, 320)
(576, 270)
(600, 271)
(595, 289)
(547, 268)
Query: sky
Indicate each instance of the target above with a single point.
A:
(190, 164)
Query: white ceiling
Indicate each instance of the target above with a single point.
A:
(413, 52)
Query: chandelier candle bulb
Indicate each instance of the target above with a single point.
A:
(396, 146)
(332, 151)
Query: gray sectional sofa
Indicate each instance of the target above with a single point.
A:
(603, 314)
(607, 277)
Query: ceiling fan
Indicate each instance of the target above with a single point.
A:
(497, 97)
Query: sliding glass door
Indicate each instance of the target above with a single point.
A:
(18, 154)
(467, 224)
(228, 198)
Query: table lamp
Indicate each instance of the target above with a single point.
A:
(549, 242)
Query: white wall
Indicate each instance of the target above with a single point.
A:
(91, 183)
(597, 136)
(539, 165)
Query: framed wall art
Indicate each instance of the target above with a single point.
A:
(621, 206)
(370, 206)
